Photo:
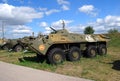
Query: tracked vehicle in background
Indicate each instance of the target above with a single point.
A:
(60, 44)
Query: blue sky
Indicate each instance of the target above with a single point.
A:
(21, 17)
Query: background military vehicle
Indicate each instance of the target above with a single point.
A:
(2, 42)
(17, 44)
(60, 44)
(12, 44)
(23, 41)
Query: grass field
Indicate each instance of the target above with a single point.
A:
(100, 68)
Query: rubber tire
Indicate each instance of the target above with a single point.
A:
(18, 48)
(89, 51)
(70, 54)
(100, 51)
(52, 53)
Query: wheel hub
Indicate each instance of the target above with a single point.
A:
(57, 57)
(75, 54)
(103, 51)
(93, 52)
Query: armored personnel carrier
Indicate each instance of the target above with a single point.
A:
(12, 44)
(16, 45)
(60, 44)
(2, 42)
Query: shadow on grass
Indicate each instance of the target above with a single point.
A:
(39, 59)
(116, 65)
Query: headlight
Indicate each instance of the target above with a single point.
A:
(42, 47)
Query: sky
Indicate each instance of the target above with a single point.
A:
(22, 17)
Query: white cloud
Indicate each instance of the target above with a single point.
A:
(88, 9)
(43, 9)
(21, 29)
(48, 12)
(64, 7)
(61, 2)
(64, 4)
(15, 18)
(51, 11)
(13, 15)
(43, 24)
(102, 25)
(56, 25)
(17, 31)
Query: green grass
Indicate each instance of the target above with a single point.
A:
(100, 68)
(115, 40)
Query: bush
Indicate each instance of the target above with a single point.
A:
(112, 31)
(89, 30)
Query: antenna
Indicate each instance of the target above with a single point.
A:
(63, 24)
(3, 30)
(33, 34)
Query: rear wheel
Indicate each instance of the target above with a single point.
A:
(56, 56)
(18, 48)
(91, 51)
(102, 50)
(5, 47)
(74, 54)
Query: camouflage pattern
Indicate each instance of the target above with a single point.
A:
(2, 42)
(60, 37)
(60, 45)
(9, 44)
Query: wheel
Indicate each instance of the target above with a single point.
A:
(56, 56)
(18, 48)
(5, 47)
(91, 51)
(74, 54)
(102, 50)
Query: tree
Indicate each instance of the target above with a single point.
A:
(112, 31)
(89, 30)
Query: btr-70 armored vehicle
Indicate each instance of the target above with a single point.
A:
(12, 44)
(16, 44)
(60, 44)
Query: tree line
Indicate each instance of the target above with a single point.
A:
(90, 30)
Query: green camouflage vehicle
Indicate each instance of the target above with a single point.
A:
(12, 44)
(23, 41)
(60, 44)
(2, 42)
(17, 45)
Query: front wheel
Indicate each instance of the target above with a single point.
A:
(56, 56)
